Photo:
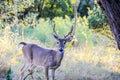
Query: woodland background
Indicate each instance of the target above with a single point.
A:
(92, 55)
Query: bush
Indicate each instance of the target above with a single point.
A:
(43, 31)
(96, 18)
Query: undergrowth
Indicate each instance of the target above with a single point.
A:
(92, 56)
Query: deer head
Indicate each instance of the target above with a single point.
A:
(62, 41)
(68, 37)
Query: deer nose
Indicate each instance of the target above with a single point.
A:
(61, 49)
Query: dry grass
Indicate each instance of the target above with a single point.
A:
(81, 63)
(89, 63)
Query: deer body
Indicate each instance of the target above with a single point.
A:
(37, 55)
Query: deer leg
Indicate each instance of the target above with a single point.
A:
(27, 76)
(23, 70)
(53, 74)
(32, 75)
(46, 73)
(31, 70)
(22, 67)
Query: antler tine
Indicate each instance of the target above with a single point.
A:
(75, 23)
(55, 33)
(69, 32)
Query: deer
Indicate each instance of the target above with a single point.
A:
(49, 59)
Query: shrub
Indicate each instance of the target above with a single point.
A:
(96, 18)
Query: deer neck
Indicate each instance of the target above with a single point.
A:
(61, 53)
(59, 56)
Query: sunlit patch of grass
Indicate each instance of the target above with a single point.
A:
(83, 62)
(88, 63)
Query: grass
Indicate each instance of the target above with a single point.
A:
(88, 63)
(92, 57)
(79, 63)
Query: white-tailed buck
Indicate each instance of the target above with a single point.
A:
(35, 55)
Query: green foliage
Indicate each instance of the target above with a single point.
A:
(9, 8)
(44, 30)
(9, 74)
(43, 8)
(54, 8)
(96, 18)
(84, 5)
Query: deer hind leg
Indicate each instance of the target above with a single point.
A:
(31, 71)
(46, 73)
(24, 68)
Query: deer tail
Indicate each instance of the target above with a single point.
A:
(21, 44)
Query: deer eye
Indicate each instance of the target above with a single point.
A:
(64, 42)
(57, 42)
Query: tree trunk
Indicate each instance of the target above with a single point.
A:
(112, 11)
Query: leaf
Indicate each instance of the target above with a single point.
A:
(73, 2)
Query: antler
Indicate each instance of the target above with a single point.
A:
(55, 33)
(75, 23)
(69, 32)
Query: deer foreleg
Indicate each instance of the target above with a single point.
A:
(55, 67)
(53, 74)
(46, 73)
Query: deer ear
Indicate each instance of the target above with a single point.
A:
(55, 37)
(69, 39)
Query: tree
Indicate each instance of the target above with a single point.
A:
(43, 8)
(112, 11)
(83, 7)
